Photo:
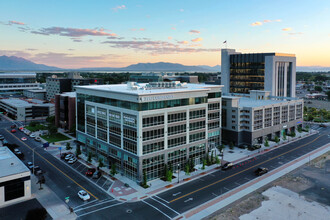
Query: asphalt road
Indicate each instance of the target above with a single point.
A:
(60, 178)
(173, 202)
(64, 181)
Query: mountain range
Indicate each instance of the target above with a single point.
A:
(12, 63)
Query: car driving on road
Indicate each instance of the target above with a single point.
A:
(227, 166)
(90, 171)
(260, 171)
(83, 195)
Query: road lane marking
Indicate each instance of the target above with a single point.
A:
(204, 187)
(87, 213)
(226, 189)
(175, 194)
(237, 184)
(215, 194)
(190, 199)
(87, 203)
(32, 149)
(100, 203)
(247, 178)
(156, 209)
(165, 206)
(161, 199)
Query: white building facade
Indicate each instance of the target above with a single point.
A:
(140, 128)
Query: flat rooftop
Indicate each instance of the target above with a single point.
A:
(37, 90)
(143, 90)
(253, 103)
(17, 74)
(10, 164)
(24, 102)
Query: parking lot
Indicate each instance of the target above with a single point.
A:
(103, 182)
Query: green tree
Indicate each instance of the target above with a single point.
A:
(328, 94)
(266, 143)
(52, 129)
(144, 183)
(217, 160)
(191, 165)
(101, 162)
(293, 134)
(89, 159)
(284, 136)
(277, 139)
(113, 170)
(78, 150)
(51, 120)
(231, 145)
(165, 172)
(169, 176)
(212, 157)
(68, 146)
(318, 88)
(186, 169)
(204, 163)
(299, 129)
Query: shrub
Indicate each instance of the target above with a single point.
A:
(68, 146)
(113, 170)
(89, 159)
(204, 163)
(277, 139)
(231, 145)
(266, 143)
(101, 162)
(186, 169)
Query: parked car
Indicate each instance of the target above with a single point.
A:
(96, 175)
(90, 171)
(72, 160)
(260, 171)
(4, 142)
(1, 137)
(16, 151)
(36, 169)
(37, 139)
(21, 128)
(13, 126)
(23, 138)
(323, 125)
(83, 195)
(33, 135)
(29, 165)
(227, 166)
(69, 156)
(13, 131)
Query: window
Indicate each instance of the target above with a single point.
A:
(212, 95)
(214, 125)
(130, 146)
(115, 140)
(14, 188)
(177, 129)
(153, 134)
(214, 115)
(176, 141)
(102, 124)
(130, 134)
(149, 148)
(102, 135)
(152, 121)
(154, 167)
(214, 106)
(196, 125)
(90, 110)
(197, 114)
(182, 116)
(101, 112)
(196, 137)
(114, 116)
(114, 128)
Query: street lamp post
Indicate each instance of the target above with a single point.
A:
(178, 172)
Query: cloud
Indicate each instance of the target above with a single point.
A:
(157, 47)
(194, 32)
(140, 29)
(257, 23)
(31, 49)
(195, 45)
(181, 10)
(183, 42)
(76, 39)
(15, 22)
(119, 7)
(287, 29)
(170, 38)
(16, 53)
(197, 39)
(72, 32)
(173, 28)
(296, 33)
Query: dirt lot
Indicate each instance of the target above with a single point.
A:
(311, 181)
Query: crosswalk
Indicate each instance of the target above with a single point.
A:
(162, 206)
(95, 206)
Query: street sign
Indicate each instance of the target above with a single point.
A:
(67, 198)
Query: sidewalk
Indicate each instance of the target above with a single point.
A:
(55, 207)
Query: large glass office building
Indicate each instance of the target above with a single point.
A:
(272, 72)
(142, 127)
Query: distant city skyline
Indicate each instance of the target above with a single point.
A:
(74, 34)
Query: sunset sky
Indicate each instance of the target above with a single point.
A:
(105, 33)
